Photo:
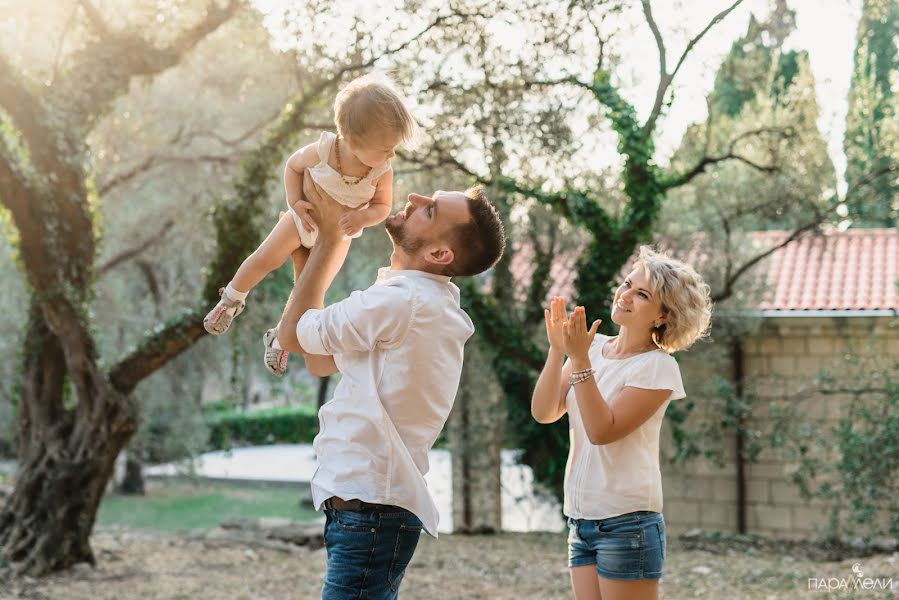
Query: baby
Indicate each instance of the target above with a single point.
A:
(353, 167)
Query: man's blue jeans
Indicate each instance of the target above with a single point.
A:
(368, 551)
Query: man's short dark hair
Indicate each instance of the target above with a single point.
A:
(479, 243)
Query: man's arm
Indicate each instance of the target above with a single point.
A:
(320, 365)
(325, 259)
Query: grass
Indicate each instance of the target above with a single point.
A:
(175, 506)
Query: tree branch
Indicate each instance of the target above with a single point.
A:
(731, 280)
(95, 79)
(27, 112)
(706, 161)
(358, 66)
(151, 162)
(154, 161)
(715, 20)
(854, 187)
(665, 78)
(157, 349)
(62, 42)
(95, 18)
(441, 159)
(261, 125)
(215, 17)
(130, 253)
(713, 160)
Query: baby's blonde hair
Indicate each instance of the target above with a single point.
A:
(370, 105)
(684, 296)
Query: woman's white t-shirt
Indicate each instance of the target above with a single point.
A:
(621, 477)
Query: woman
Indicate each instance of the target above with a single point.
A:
(615, 391)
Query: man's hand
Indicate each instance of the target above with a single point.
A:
(303, 209)
(298, 257)
(326, 211)
(350, 223)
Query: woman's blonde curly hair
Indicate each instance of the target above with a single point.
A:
(684, 296)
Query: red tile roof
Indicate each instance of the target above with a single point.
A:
(856, 269)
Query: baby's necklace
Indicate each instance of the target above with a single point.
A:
(346, 179)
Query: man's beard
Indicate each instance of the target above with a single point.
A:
(397, 232)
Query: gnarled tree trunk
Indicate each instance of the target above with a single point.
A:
(73, 417)
(66, 455)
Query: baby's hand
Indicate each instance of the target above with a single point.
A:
(350, 223)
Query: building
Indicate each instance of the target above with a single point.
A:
(825, 329)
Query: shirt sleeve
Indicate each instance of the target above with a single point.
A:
(377, 317)
(662, 373)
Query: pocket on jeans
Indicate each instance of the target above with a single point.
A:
(620, 552)
(573, 537)
(406, 543)
(660, 527)
(355, 521)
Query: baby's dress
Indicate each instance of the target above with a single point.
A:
(356, 195)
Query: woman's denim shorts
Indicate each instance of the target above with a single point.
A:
(630, 546)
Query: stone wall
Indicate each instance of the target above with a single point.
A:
(782, 364)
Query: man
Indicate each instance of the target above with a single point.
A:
(399, 346)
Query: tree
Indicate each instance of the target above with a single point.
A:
(612, 221)
(872, 122)
(74, 414)
(500, 126)
(764, 105)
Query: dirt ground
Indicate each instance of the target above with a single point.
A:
(156, 566)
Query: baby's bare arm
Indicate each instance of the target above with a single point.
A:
(381, 203)
(304, 158)
(374, 214)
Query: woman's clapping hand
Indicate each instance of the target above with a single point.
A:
(555, 317)
(575, 335)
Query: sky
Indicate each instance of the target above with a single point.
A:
(824, 28)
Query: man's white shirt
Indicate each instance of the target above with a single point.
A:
(398, 346)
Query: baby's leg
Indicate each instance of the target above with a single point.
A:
(275, 357)
(270, 255)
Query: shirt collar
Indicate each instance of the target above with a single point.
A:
(385, 273)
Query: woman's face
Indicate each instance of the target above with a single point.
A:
(635, 305)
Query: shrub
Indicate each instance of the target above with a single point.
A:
(295, 425)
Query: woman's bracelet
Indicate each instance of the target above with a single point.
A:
(577, 377)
